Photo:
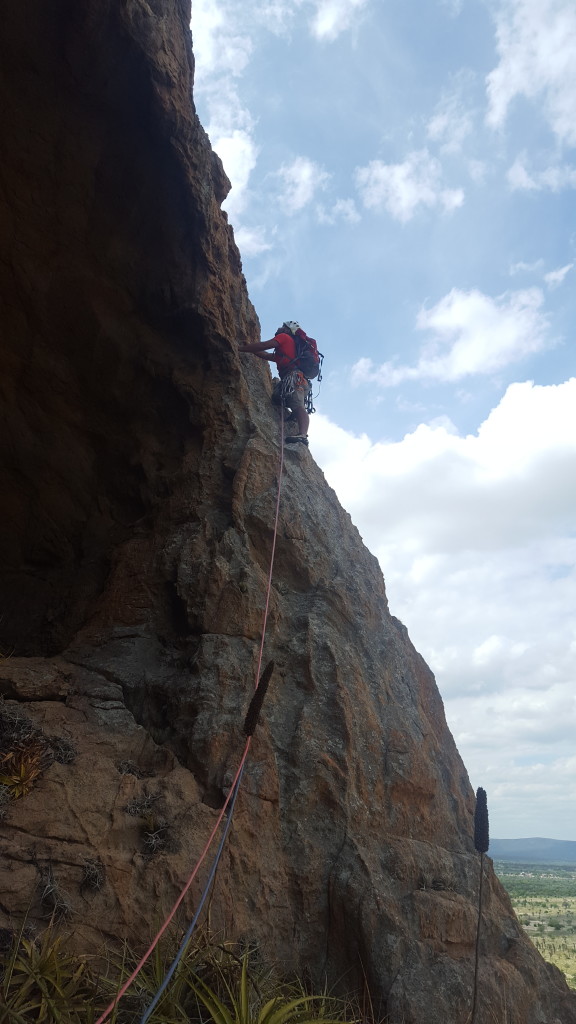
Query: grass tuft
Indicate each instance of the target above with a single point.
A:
(5, 798)
(141, 806)
(130, 768)
(157, 833)
(64, 752)
(93, 875)
(53, 897)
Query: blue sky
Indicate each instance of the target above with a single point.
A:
(403, 180)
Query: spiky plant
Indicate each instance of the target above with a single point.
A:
(42, 983)
(20, 768)
(53, 897)
(24, 751)
(481, 843)
(155, 834)
(141, 806)
(5, 797)
(93, 875)
(241, 1001)
(130, 768)
(177, 1002)
(63, 750)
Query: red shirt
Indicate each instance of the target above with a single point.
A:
(284, 353)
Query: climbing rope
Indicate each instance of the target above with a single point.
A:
(230, 800)
(191, 878)
(201, 902)
(289, 383)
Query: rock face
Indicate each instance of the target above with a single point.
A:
(140, 464)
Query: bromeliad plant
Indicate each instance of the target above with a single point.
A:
(177, 1003)
(213, 985)
(240, 1001)
(25, 751)
(42, 984)
(20, 768)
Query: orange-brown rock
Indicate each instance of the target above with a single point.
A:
(139, 464)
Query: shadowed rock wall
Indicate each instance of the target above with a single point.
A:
(139, 461)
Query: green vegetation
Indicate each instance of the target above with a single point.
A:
(25, 754)
(544, 898)
(42, 983)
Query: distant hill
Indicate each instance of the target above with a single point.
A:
(534, 851)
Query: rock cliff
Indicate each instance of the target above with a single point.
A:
(139, 465)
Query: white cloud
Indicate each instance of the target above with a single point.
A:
(454, 6)
(530, 791)
(518, 176)
(402, 188)
(471, 333)
(225, 35)
(238, 154)
(222, 29)
(536, 43)
(475, 535)
(222, 52)
(220, 46)
(451, 123)
(554, 178)
(478, 170)
(334, 16)
(342, 210)
(525, 268)
(300, 180)
(252, 241)
(451, 198)
(557, 177)
(276, 15)
(554, 278)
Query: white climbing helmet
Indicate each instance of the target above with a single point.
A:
(292, 326)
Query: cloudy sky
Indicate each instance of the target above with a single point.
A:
(404, 176)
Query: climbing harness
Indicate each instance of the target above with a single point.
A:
(260, 685)
(288, 384)
(293, 381)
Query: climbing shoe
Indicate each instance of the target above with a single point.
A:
(297, 439)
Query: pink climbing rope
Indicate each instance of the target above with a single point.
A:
(204, 853)
(191, 878)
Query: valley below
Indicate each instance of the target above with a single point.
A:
(544, 899)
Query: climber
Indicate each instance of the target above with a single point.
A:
(294, 388)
